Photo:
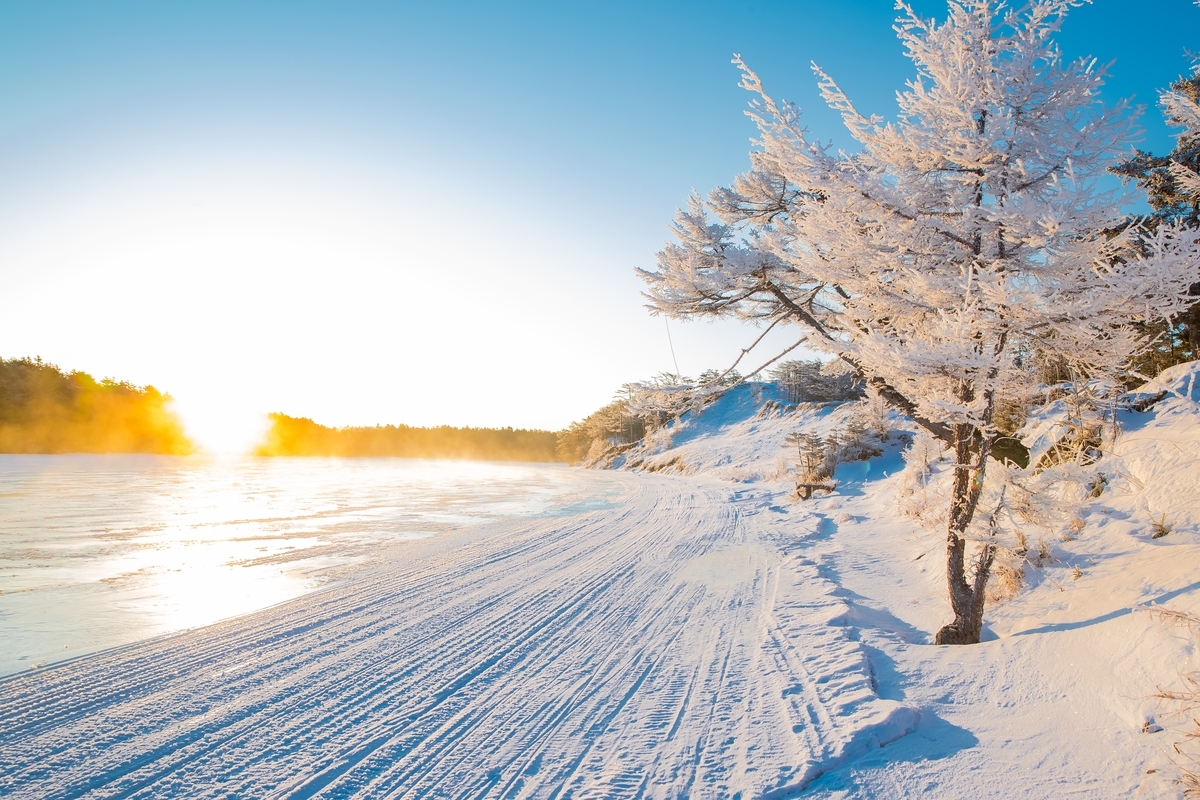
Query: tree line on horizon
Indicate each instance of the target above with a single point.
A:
(300, 436)
(47, 410)
(44, 409)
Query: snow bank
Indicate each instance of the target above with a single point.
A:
(741, 436)
(1058, 699)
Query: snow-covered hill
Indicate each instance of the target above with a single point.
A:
(1058, 699)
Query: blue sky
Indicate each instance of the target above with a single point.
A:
(400, 212)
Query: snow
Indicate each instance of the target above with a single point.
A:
(704, 635)
(676, 646)
(1054, 701)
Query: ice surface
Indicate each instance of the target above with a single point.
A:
(97, 551)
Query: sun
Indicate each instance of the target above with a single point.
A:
(221, 428)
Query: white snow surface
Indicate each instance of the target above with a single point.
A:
(679, 645)
(706, 636)
(1053, 702)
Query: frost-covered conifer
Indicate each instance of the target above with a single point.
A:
(1172, 182)
(1172, 185)
(1182, 105)
(953, 242)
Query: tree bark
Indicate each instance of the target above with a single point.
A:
(966, 592)
(1193, 322)
(971, 450)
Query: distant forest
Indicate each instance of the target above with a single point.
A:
(46, 410)
(298, 436)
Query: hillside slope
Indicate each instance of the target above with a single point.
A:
(1058, 699)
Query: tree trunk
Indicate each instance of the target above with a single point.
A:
(966, 595)
(1193, 323)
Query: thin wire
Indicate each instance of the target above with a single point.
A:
(678, 374)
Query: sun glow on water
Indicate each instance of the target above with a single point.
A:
(96, 551)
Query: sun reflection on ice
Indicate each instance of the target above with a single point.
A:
(96, 551)
(187, 584)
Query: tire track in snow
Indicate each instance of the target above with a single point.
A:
(669, 647)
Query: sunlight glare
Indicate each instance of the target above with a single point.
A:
(221, 428)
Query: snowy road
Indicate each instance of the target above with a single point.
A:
(678, 644)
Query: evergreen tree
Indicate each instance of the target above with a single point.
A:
(1172, 185)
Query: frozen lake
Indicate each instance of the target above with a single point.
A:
(97, 551)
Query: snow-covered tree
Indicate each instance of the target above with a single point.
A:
(1182, 105)
(1172, 182)
(952, 243)
(1172, 185)
(816, 382)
